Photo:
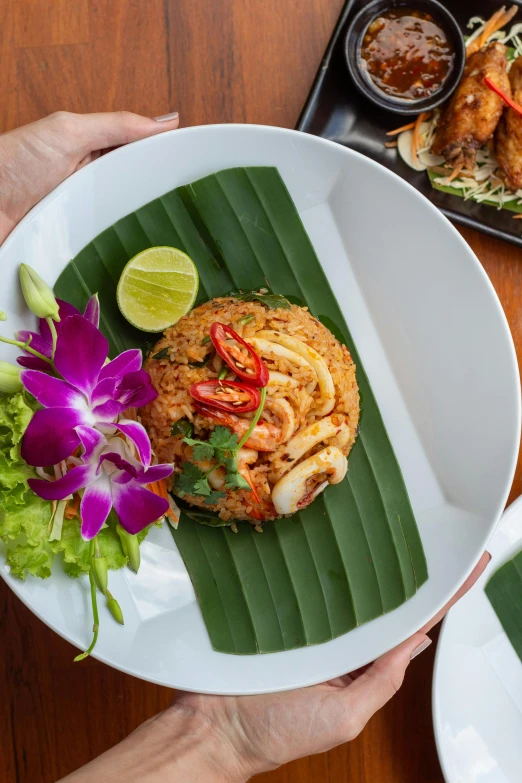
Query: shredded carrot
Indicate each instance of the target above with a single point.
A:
(508, 16)
(391, 144)
(160, 489)
(499, 19)
(454, 174)
(245, 472)
(517, 217)
(409, 126)
(71, 510)
(415, 136)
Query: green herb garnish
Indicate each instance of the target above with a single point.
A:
(222, 446)
(182, 427)
(161, 354)
(205, 340)
(194, 482)
(202, 363)
(246, 319)
(272, 301)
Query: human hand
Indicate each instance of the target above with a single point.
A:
(269, 730)
(35, 158)
(227, 739)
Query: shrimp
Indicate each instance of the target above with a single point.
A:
(265, 435)
(245, 458)
(307, 480)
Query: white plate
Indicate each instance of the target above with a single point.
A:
(477, 685)
(433, 339)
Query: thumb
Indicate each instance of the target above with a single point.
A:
(112, 129)
(376, 686)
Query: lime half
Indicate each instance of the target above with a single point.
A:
(157, 287)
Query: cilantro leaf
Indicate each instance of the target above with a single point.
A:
(182, 427)
(272, 301)
(230, 464)
(185, 481)
(224, 439)
(213, 498)
(202, 449)
(236, 481)
(202, 487)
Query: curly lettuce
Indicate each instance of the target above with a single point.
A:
(26, 519)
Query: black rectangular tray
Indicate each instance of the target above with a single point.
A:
(336, 110)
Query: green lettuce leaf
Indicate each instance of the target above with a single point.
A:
(25, 519)
(15, 414)
(25, 532)
(75, 550)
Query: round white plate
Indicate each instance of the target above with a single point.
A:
(432, 337)
(477, 685)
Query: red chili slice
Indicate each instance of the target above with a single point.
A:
(230, 396)
(253, 370)
(508, 100)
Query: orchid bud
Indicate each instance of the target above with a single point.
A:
(37, 294)
(114, 608)
(10, 381)
(92, 311)
(3, 316)
(130, 546)
(100, 572)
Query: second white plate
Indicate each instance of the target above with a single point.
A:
(477, 685)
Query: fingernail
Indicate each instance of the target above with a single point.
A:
(167, 117)
(423, 646)
(489, 556)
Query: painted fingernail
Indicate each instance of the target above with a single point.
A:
(423, 646)
(167, 117)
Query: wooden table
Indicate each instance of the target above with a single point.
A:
(213, 61)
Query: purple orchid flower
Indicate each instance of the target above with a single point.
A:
(42, 340)
(90, 394)
(110, 477)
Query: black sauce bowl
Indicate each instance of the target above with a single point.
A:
(363, 82)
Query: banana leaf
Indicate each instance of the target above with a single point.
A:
(504, 591)
(355, 553)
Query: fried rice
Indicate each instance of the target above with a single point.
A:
(294, 403)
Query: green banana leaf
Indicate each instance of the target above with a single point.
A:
(355, 553)
(504, 591)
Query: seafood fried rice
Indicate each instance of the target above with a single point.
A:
(212, 370)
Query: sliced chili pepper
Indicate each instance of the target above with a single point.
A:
(242, 358)
(231, 396)
(505, 97)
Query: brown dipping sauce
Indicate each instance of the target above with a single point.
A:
(407, 53)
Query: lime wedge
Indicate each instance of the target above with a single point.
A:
(157, 287)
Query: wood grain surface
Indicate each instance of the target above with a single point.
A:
(213, 61)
